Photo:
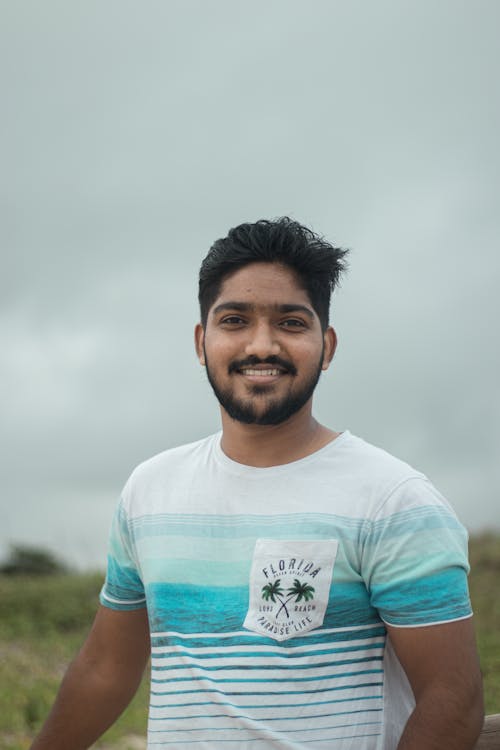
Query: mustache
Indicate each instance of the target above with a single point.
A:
(271, 360)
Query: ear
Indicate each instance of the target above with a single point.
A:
(199, 338)
(330, 339)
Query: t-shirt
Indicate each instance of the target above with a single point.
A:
(268, 590)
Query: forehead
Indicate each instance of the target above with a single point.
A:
(263, 284)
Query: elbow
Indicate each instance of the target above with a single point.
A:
(468, 713)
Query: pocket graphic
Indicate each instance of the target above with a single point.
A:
(289, 586)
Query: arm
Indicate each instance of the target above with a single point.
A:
(100, 682)
(442, 666)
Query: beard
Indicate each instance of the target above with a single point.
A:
(276, 410)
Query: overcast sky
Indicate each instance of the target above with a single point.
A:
(136, 133)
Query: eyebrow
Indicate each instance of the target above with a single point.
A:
(250, 307)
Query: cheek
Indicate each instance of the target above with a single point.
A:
(219, 351)
(312, 354)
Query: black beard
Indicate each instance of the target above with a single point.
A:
(277, 411)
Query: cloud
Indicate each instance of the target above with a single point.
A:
(135, 136)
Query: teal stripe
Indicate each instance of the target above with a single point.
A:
(440, 597)
(122, 581)
(348, 737)
(284, 692)
(268, 654)
(219, 609)
(256, 667)
(263, 720)
(266, 739)
(275, 732)
(315, 638)
(270, 705)
(273, 679)
(299, 525)
(407, 523)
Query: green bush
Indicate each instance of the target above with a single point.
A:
(47, 604)
(25, 560)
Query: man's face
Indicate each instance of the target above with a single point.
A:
(263, 346)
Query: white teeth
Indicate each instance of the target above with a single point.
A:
(247, 371)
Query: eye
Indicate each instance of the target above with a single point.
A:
(293, 323)
(232, 320)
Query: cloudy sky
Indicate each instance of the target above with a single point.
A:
(134, 134)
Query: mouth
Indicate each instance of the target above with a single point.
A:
(266, 370)
(261, 373)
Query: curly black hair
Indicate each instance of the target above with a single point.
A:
(317, 263)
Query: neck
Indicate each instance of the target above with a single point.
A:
(274, 445)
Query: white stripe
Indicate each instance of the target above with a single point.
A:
(429, 624)
(335, 696)
(358, 644)
(227, 722)
(265, 711)
(122, 601)
(261, 737)
(271, 660)
(250, 633)
(263, 686)
(276, 674)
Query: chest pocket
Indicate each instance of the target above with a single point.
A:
(289, 586)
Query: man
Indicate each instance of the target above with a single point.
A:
(299, 588)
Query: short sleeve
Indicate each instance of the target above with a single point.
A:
(123, 588)
(415, 558)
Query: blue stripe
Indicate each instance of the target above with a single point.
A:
(266, 739)
(268, 654)
(317, 637)
(313, 525)
(246, 729)
(258, 718)
(281, 692)
(272, 679)
(122, 582)
(418, 519)
(217, 609)
(273, 667)
(269, 705)
(440, 597)
(275, 732)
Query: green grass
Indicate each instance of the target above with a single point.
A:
(484, 582)
(44, 621)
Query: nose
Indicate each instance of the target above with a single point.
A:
(262, 341)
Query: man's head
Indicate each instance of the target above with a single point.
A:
(316, 263)
(264, 336)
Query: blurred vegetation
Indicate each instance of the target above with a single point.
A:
(31, 561)
(484, 582)
(45, 618)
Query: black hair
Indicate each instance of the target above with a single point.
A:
(317, 263)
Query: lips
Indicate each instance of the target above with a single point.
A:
(260, 372)
(270, 367)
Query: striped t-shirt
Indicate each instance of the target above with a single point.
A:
(268, 590)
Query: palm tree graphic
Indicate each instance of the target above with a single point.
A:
(272, 590)
(298, 591)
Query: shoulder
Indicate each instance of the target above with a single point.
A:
(179, 455)
(167, 468)
(376, 460)
(388, 484)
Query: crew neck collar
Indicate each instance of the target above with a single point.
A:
(245, 470)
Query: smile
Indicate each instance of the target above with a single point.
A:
(260, 373)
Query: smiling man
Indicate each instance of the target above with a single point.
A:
(297, 587)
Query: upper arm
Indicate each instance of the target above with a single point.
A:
(118, 642)
(440, 656)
